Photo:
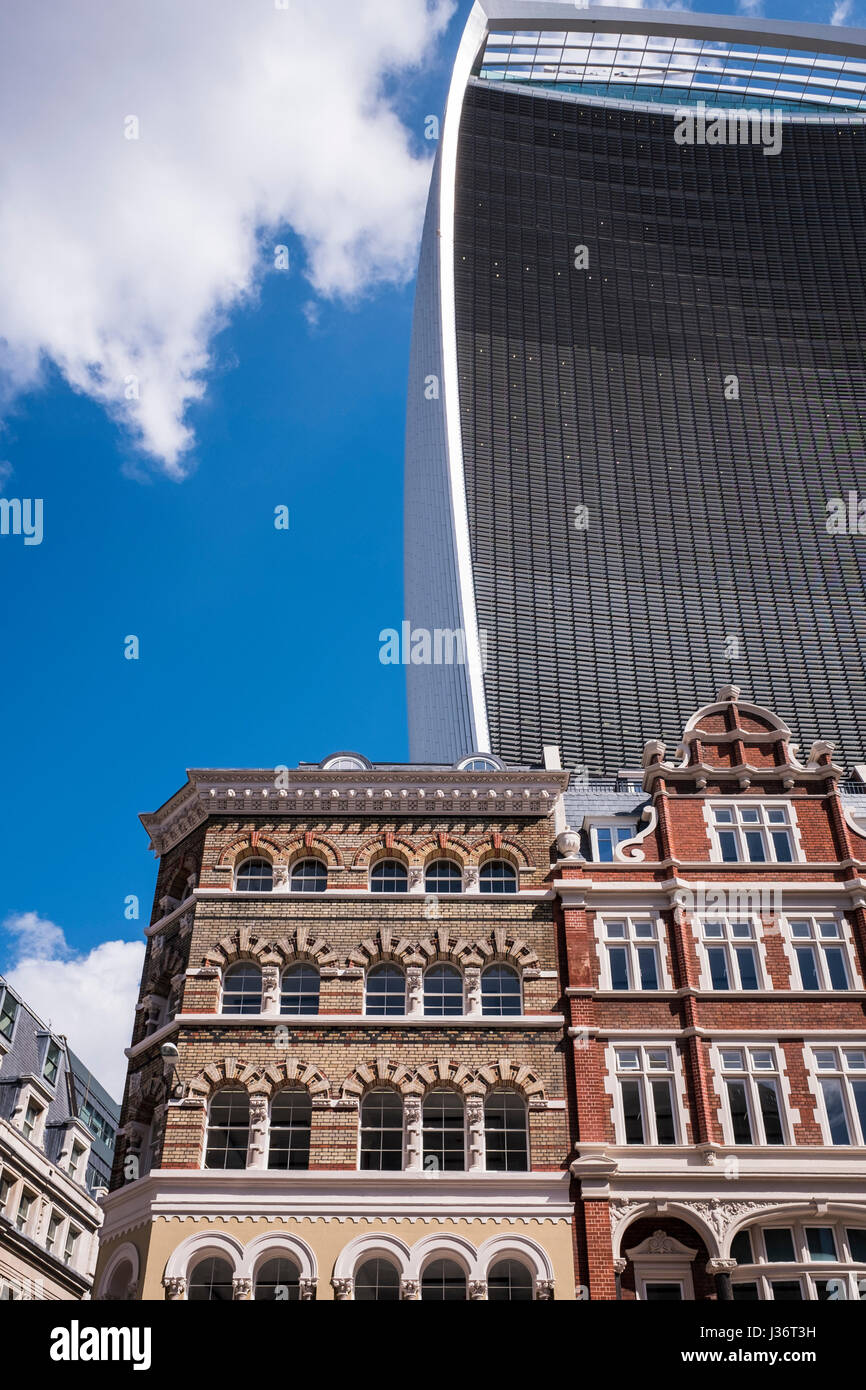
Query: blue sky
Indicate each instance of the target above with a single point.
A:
(257, 646)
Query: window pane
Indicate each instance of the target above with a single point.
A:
(278, 1281)
(745, 1293)
(632, 1112)
(728, 846)
(808, 967)
(443, 876)
(821, 1243)
(779, 1244)
(300, 990)
(787, 1291)
(618, 957)
(857, 1244)
(836, 1117)
(386, 991)
(649, 978)
(664, 1112)
(443, 1125)
(255, 876)
(748, 967)
(663, 1293)
(718, 962)
(604, 841)
(505, 1133)
(389, 876)
(497, 877)
(782, 846)
(509, 1282)
(382, 1131)
(740, 1123)
(377, 1281)
(443, 1281)
(211, 1282)
(228, 1130)
(835, 958)
(769, 1101)
(443, 991)
(741, 1248)
(500, 991)
(755, 846)
(291, 1115)
(858, 1090)
(309, 876)
(242, 990)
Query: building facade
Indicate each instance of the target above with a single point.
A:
(714, 967)
(346, 1078)
(635, 422)
(48, 1215)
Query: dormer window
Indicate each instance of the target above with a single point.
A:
(606, 835)
(752, 833)
(8, 1013)
(479, 764)
(30, 1125)
(344, 763)
(51, 1064)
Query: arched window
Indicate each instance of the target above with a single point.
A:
(443, 991)
(121, 1283)
(386, 991)
(211, 1282)
(443, 1125)
(497, 876)
(389, 876)
(278, 1281)
(479, 764)
(242, 989)
(299, 990)
(443, 876)
(377, 1281)
(500, 991)
(289, 1138)
(255, 876)
(509, 1282)
(228, 1129)
(505, 1136)
(443, 1281)
(382, 1131)
(309, 876)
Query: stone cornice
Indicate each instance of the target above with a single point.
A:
(397, 792)
(336, 1195)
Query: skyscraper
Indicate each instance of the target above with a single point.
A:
(636, 406)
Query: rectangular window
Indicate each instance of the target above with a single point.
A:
(6, 1185)
(731, 953)
(53, 1235)
(821, 1243)
(821, 953)
(52, 1062)
(25, 1207)
(8, 1013)
(753, 833)
(630, 958)
(842, 1081)
(31, 1120)
(604, 838)
(779, 1245)
(857, 1244)
(646, 1087)
(71, 1242)
(752, 1085)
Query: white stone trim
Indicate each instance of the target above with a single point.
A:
(124, 1252)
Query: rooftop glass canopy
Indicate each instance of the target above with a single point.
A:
(676, 70)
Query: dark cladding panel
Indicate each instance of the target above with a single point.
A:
(605, 388)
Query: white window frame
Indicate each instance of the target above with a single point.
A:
(751, 1073)
(803, 1267)
(729, 942)
(843, 940)
(841, 1072)
(631, 942)
(643, 1074)
(33, 1195)
(610, 823)
(763, 825)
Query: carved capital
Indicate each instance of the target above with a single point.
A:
(242, 1290)
(174, 1289)
(544, 1290)
(343, 1289)
(410, 1289)
(307, 1289)
(477, 1289)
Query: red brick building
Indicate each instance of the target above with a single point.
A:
(714, 970)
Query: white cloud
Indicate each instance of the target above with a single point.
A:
(90, 998)
(842, 12)
(124, 256)
(750, 7)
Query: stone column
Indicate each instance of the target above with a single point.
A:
(414, 1133)
(270, 990)
(175, 1289)
(472, 977)
(475, 1125)
(307, 1289)
(544, 1290)
(721, 1272)
(477, 1290)
(242, 1290)
(343, 1289)
(410, 1289)
(414, 990)
(619, 1271)
(258, 1130)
